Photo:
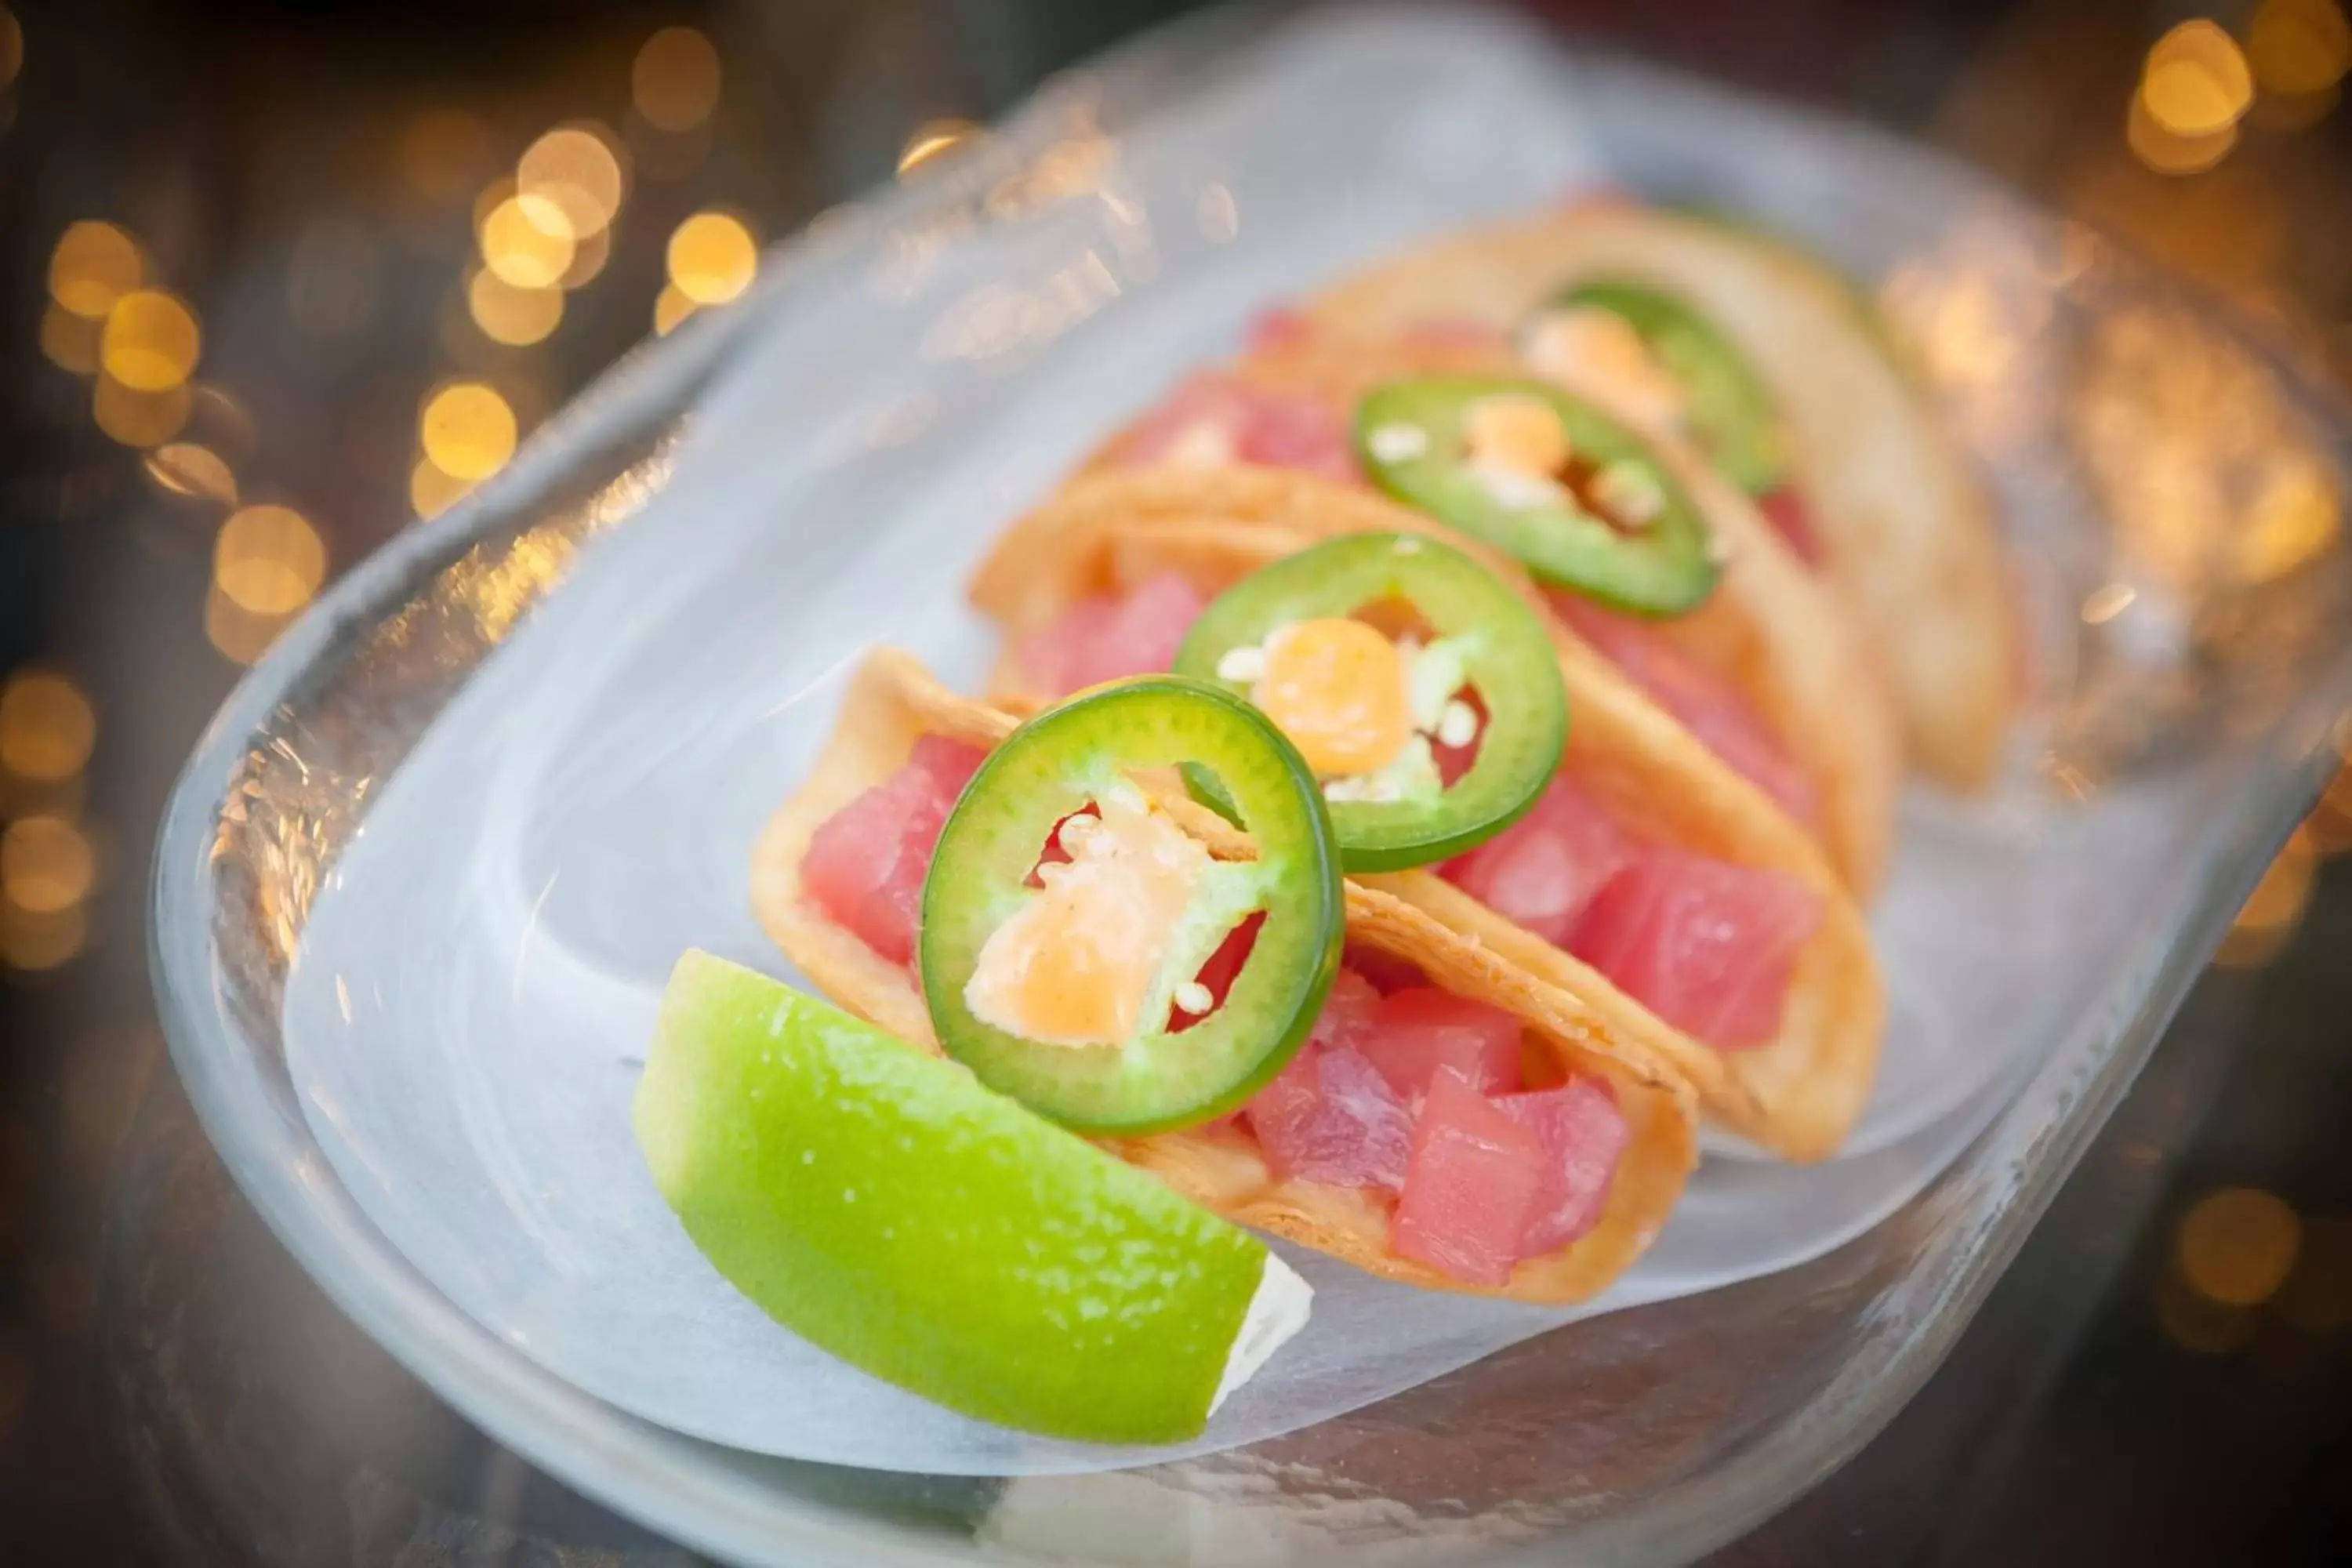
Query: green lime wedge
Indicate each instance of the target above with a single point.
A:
(888, 1208)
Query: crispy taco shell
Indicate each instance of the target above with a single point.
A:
(1904, 527)
(1783, 638)
(892, 702)
(1797, 1095)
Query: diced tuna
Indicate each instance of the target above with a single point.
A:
(1705, 946)
(1348, 1012)
(865, 863)
(1582, 1134)
(1329, 1117)
(1470, 1186)
(1714, 711)
(1543, 870)
(1415, 1033)
(1106, 635)
(1215, 417)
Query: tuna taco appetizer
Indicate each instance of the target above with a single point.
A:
(1767, 362)
(1613, 857)
(1203, 993)
(1654, 562)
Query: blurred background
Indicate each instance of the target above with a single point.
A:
(278, 280)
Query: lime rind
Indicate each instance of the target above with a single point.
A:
(892, 1211)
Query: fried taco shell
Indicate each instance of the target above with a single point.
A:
(892, 702)
(1904, 527)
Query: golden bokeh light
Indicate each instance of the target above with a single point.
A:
(2236, 1246)
(2317, 1295)
(69, 342)
(588, 259)
(670, 307)
(2169, 152)
(236, 634)
(467, 430)
(31, 943)
(45, 864)
(94, 265)
(674, 81)
(2273, 910)
(2196, 83)
(150, 342)
(2299, 49)
(138, 419)
(577, 169)
(268, 560)
(509, 315)
(2293, 522)
(2198, 1323)
(47, 726)
(191, 468)
(931, 139)
(712, 258)
(432, 492)
(441, 152)
(527, 241)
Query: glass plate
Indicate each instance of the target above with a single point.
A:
(2173, 491)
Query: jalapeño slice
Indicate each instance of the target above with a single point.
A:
(1469, 635)
(1727, 407)
(1610, 523)
(1169, 1066)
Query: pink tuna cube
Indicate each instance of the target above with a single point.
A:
(1470, 1187)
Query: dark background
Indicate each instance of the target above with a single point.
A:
(303, 178)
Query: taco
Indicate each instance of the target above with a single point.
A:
(1769, 364)
(1648, 881)
(1764, 665)
(1318, 1150)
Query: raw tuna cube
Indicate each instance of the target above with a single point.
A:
(1347, 1015)
(1415, 1033)
(1329, 1117)
(865, 863)
(1470, 1187)
(1582, 1134)
(1543, 870)
(1713, 709)
(1106, 636)
(1705, 946)
(1214, 417)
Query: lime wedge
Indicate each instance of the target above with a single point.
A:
(886, 1207)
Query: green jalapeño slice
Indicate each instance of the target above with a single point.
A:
(1427, 698)
(1723, 402)
(1085, 955)
(1579, 498)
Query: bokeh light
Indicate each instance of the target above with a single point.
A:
(670, 307)
(236, 634)
(430, 490)
(150, 342)
(675, 79)
(509, 315)
(576, 169)
(2196, 83)
(929, 139)
(69, 342)
(2169, 152)
(467, 430)
(441, 153)
(588, 259)
(268, 560)
(45, 864)
(137, 417)
(2236, 1245)
(191, 468)
(2298, 49)
(31, 943)
(712, 258)
(2293, 522)
(46, 726)
(527, 241)
(2196, 1322)
(94, 265)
